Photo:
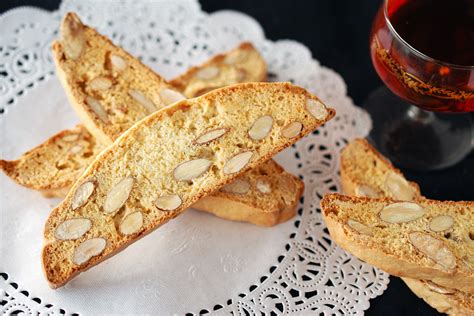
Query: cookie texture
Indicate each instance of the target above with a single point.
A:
(426, 240)
(362, 165)
(156, 169)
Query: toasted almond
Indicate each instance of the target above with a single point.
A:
(263, 186)
(261, 127)
(88, 249)
(237, 162)
(75, 149)
(143, 100)
(191, 169)
(82, 194)
(317, 109)
(399, 187)
(438, 288)
(441, 223)
(211, 135)
(434, 249)
(70, 138)
(118, 63)
(168, 202)
(401, 212)
(100, 83)
(170, 96)
(359, 227)
(236, 57)
(73, 228)
(238, 186)
(292, 130)
(208, 73)
(72, 36)
(118, 195)
(97, 108)
(367, 191)
(131, 223)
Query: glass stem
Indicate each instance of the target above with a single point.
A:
(419, 115)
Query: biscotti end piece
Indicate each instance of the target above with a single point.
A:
(444, 300)
(264, 196)
(165, 171)
(53, 166)
(242, 64)
(366, 172)
(399, 237)
(109, 89)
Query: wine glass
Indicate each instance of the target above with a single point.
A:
(423, 50)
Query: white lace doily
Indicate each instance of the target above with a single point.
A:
(197, 263)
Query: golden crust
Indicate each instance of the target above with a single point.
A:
(283, 100)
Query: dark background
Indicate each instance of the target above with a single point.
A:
(337, 34)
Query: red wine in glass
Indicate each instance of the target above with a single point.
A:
(423, 50)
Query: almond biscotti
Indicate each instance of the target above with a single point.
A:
(426, 239)
(53, 166)
(242, 64)
(167, 162)
(109, 89)
(363, 164)
(365, 172)
(266, 196)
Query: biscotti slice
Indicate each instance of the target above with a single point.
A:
(242, 64)
(266, 196)
(365, 172)
(426, 239)
(444, 300)
(108, 88)
(167, 162)
(53, 166)
(357, 174)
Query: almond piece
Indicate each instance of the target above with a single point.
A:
(359, 227)
(88, 249)
(399, 187)
(236, 57)
(441, 223)
(170, 96)
(75, 149)
(100, 83)
(73, 228)
(401, 212)
(191, 169)
(237, 162)
(292, 130)
(367, 191)
(261, 127)
(434, 249)
(438, 288)
(72, 37)
(82, 194)
(97, 108)
(118, 195)
(144, 101)
(131, 223)
(209, 136)
(263, 186)
(168, 202)
(238, 186)
(208, 73)
(70, 138)
(118, 63)
(317, 109)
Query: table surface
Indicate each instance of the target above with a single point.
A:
(337, 34)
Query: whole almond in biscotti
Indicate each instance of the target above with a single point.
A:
(82, 194)
(292, 130)
(118, 63)
(401, 241)
(314, 107)
(143, 100)
(97, 108)
(261, 127)
(238, 186)
(208, 73)
(263, 186)
(211, 135)
(367, 190)
(170, 172)
(399, 187)
(100, 83)
(118, 195)
(170, 96)
(73, 228)
(72, 33)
